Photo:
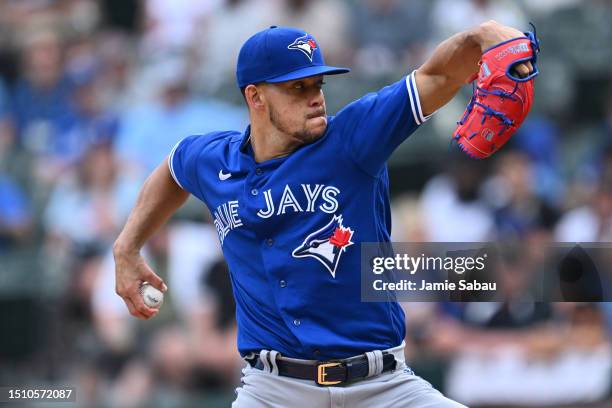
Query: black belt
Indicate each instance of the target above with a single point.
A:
(331, 372)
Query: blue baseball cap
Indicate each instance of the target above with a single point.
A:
(279, 54)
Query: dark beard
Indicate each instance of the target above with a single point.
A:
(303, 135)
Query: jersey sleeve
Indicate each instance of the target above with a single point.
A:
(375, 125)
(183, 163)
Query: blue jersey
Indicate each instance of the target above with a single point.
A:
(290, 227)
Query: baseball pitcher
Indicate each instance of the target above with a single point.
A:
(295, 194)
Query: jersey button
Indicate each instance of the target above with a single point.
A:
(254, 192)
(283, 284)
(258, 171)
(269, 242)
(296, 322)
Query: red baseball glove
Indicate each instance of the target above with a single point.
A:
(500, 100)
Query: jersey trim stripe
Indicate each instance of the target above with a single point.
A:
(415, 102)
(171, 166)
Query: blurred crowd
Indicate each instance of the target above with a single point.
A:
(94, 94)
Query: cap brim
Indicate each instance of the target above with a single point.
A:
(308, 72)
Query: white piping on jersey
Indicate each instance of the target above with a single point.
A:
(415, 102)
(171, 167)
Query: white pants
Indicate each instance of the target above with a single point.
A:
(399, 388)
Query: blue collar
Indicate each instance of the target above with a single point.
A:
(246, 138)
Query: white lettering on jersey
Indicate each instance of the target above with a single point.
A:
(311, 195)
(233, 206)
(325, 195)
(288, 200)
(331, 204)
(269, 206)
(226, 219)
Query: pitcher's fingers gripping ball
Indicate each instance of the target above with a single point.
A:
(152, 297)
(501, 99)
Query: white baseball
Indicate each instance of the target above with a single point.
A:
(152, 297)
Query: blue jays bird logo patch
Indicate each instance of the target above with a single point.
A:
(306, 44)
(327, 244)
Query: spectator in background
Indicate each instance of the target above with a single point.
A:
(561, 358)
(173, 25)
(116, 53)
(149, 131)
(41, 102)
(80, 220)
(88, 205)
(91, 124)
(15, 14)
(454, 211)
(225, 34)
(453, 16)
(389, 34)
(202, 353)
(592, 151)
(15, 214)
(593, 221)
(510, 191)
(214, 329)
(6, 131)
(560, 351)
(580, 35)
(193, 248)
(198, 282)
(539, 138)
(408, 223)
(329, 19)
